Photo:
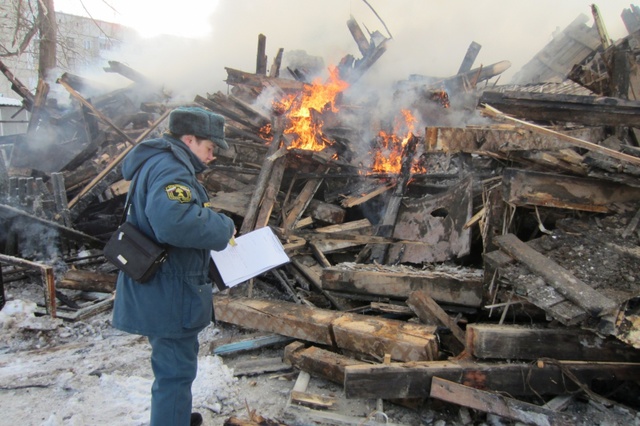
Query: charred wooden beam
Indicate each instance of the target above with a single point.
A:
(250, 218)
(239, 78)
(318, 362)
(558, 277)
(379, 252)
(261, 59)
(551, 108)
(469, 57)
(128, 72)
(493, 341)
(18, 87)
(274, 72)
(429, 311)
(218, 107)
(493, 112)
(525, 187)
(413, 380)
(462, 287)
(358, 333)
(294, 212)
(361, 40)
(494, 403)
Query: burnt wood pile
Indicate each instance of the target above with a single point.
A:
(498, 257)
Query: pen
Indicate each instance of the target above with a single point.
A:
(232, 242)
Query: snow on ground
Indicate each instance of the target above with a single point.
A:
(60, 373)
(55, 373)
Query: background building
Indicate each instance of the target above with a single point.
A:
(81, 43)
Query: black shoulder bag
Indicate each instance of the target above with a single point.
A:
(131, 251)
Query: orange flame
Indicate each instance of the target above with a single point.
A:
(318, 97)
(387, 158)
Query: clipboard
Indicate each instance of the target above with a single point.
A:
(254, 253)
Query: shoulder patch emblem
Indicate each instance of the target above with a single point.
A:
(178, 192)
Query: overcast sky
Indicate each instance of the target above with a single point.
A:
(430, 37)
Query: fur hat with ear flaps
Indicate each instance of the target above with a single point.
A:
(198, 122)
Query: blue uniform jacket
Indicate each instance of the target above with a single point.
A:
(169, 205)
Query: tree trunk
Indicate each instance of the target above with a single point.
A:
(48, 33)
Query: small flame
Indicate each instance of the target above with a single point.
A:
(442, 97)
(318, 97)
(265, 132)
(387, 158)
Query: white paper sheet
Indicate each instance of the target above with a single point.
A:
(254, 253)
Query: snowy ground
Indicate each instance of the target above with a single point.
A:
(55, 372)
(62, 373)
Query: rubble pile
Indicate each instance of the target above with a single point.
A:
(429, 259)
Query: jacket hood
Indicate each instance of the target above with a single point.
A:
(147, 149)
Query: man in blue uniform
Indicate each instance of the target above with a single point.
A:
(170, 206)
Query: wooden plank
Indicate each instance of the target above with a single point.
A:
(271, 191)
(257, 366)
(319, 362)
(376, 336)
(238, 78)
(413, 380)
(495, 113)
(76, 279)
(249, 222)
(469, 57)
(558, 277)
(359, 333)
(502, 138)
(427, 309)
(302, 200)
(494, 403)
(525, 187)
(492, 341)
(247, 343)
(447, 286)
(544, 296)
(312, 400)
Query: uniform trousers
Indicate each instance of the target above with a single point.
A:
(174, 362)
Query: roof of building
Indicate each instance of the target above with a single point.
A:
(4, 101)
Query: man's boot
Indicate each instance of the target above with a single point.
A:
(196, 419)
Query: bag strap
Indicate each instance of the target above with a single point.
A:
(132, 186)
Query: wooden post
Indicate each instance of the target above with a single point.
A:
(261, 60)
(249, 222)
(277, 61)
(60, 198)
(363, 44)
(379, 252)
(469, 58)
(2, 295)
(4, 179)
